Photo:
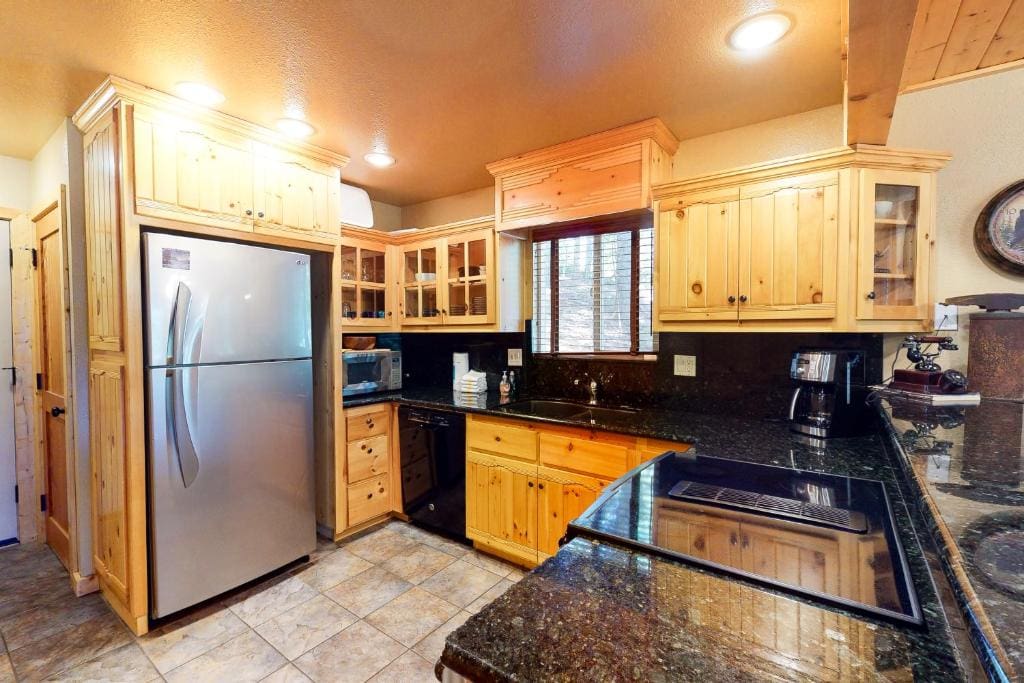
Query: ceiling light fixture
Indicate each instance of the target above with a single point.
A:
(198, 93)
(760, 31)
(295, 128)
(379, 159)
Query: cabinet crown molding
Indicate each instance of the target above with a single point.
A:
(115, 89)
(418, 234)
(861, 156)
(648, 129)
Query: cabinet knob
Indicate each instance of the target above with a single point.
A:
(732, 299)
(540, 486)
(530, 484)
(743, 298)
(871, 295)
(369, 450)
(363, 447)
(369, 420)
(370, 425)
(497, 438)
(248, 212)
(389, 314)
(259, 215)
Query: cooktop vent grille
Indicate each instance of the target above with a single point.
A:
(773, 506)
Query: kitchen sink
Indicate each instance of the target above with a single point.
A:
(566, 410)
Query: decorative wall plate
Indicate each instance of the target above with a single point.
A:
(999, 232)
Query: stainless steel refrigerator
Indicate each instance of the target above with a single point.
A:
(230, 415)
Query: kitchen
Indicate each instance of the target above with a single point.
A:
(652, 362)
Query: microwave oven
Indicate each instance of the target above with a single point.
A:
(364, 372)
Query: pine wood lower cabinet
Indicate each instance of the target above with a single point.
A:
(370, 461)
(526, 481)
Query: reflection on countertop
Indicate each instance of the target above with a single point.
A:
(968, 465)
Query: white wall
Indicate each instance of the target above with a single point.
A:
(979, 122)
(15, 177)
(810, 131)
(59, 162)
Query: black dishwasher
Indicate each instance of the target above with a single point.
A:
(433, 453)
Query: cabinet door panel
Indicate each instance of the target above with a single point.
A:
(698, 259)
(501, 504)
(561, 498)
(295, 195)
(190, 172)
(788, 249)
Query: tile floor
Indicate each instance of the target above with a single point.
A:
(374, 608)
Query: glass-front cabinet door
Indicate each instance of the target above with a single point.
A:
(420, 300)
(364, 277)
(895, 234)
(469, 278)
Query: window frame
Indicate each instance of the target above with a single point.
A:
(632, 223)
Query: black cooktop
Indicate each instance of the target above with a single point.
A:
(828, 537)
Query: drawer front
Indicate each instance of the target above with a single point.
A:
(365, 425)
(502, 437)
(368, 499)
(367, 458)
(584, 453)
(652, 448)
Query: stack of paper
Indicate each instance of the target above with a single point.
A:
(473, 382)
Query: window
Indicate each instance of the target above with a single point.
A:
(592, 288)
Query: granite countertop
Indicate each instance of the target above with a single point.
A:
(585, 606)
(967, 465)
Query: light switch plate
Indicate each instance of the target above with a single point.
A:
(684, 366)
(945, 318)
(515, 358)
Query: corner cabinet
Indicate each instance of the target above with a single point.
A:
(837, 241)
(151, 160)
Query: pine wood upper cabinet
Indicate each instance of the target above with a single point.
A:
(836, 241)
(366, 295)
(420, 270)
(190, 171)
(468, 297)
(295, 195)
(896, 230)
(788, 241)
(698, 257)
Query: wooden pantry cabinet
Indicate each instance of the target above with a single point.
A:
(836, 241)
(151, 160)
(526, 481)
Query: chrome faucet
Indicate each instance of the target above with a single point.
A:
(592, 387)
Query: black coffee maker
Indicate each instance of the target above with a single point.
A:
(829, 396)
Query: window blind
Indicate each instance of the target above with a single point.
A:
(592, 293)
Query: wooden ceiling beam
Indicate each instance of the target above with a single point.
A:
(878, 34)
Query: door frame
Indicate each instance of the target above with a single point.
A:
(4, 216)
(39, 442)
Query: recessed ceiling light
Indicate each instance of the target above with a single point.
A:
(295, 128)
(760, 31)
(379, 159)
(198, 93)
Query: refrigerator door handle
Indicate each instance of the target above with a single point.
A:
(179, 317)
(181, 433)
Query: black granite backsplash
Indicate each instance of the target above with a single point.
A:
(737, 372)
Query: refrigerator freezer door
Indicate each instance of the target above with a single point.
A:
(239, 303)
(230, 476)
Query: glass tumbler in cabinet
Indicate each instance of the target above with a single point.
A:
(894, 234)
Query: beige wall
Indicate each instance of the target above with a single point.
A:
(14, 183)
(810, 131)
(386, 217)
(456, 207)
(979, 122)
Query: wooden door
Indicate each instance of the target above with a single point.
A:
(191, 172)
(501, 504)
(561, 497)
(469, 294)
(698, 248)
(366, 289)
(894, 235)
(788, 231)
(421, 269)
(52, 357)
(295, 195)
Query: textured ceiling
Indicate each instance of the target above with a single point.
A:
(446, 86)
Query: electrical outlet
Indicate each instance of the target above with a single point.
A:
(945, 318)
(515, 358)
(684, 366)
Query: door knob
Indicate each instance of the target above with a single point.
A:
(57, 411)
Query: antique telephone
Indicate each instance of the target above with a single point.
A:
(927, 377)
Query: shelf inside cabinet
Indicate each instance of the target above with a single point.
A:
(895, 222)
(893, 276)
